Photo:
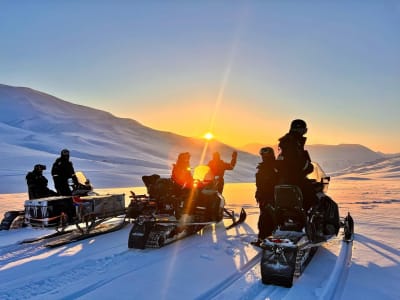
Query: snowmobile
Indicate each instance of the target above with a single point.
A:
(298, 233)
(169, 212)
(85, 209)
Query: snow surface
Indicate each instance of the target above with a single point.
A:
(215, 263)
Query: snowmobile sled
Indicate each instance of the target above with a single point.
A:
(299, 233)
(84, 206)
(85, 209)
(169, 212)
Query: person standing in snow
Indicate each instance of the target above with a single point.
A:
(294, 163)
(61, 171)
(218, 168)
(266, 179)
(37, 183)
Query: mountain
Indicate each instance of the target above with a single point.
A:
(112, 151)
(382, 168)
(332, 158)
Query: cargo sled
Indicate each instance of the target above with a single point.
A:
(168, 212)
(298, 233)
(85, 209)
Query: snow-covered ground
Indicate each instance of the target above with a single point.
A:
(215, 263)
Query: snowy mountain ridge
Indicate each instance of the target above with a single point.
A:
(112, 151)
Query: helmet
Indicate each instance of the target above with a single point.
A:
(64, 152)
(298, 125)
(39, 167)
(216, 156)
(267, 150)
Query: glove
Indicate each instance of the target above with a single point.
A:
(234, 154)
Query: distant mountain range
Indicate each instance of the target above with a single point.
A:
(332, 157)
(112, 151)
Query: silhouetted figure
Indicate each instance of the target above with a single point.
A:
(61, 171)
(181, 173)
(266, 179)
(37, 183)
(294, 163)
(218, 168)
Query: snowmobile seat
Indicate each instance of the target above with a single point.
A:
(288, 211)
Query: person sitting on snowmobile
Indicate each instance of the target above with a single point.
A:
(218, 168)
(61, 171)
(266, 179)
(294, 163)
(181, 174)
(37, 183)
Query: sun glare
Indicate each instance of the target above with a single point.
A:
(208, 136)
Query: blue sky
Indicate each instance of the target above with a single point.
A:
(243, 69)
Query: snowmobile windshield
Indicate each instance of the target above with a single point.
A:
(203, 175)
(81, 178)
(319, 175)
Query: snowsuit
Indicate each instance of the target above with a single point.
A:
(294, 164)
(37, 185)
(218, 168)
(266, 179)
(181, 174)
(61, 171)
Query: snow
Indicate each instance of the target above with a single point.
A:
(215, 263)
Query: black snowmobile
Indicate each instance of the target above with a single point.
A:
(298, 233)
(168, 212)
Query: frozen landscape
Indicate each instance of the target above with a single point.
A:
(213, 264)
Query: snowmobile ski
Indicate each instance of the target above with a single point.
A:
(45, 237)
(348, 228)
(242, 218)
(77, 235)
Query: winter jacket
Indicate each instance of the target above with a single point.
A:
(61, 171)
(37, 185)
(294, 163)
(266, 179)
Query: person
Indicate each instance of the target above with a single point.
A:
(294, 162)
(218, 168)
(266, 179)
(61, 171)
(37, 183)
(181, 173)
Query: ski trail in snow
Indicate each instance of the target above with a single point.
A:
(230, 280)
(334, 286)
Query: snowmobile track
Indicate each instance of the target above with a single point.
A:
(81, 270)
(336, 281)
(219, 288)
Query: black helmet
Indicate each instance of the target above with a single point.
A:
(64, 152)
(267, 151)
(299, 126)
(39, 167)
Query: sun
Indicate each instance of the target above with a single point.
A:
(208, 136)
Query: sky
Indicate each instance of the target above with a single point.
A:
(240, 69)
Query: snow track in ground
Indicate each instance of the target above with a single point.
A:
(76, 271)
(218, 289)
(338, 277)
